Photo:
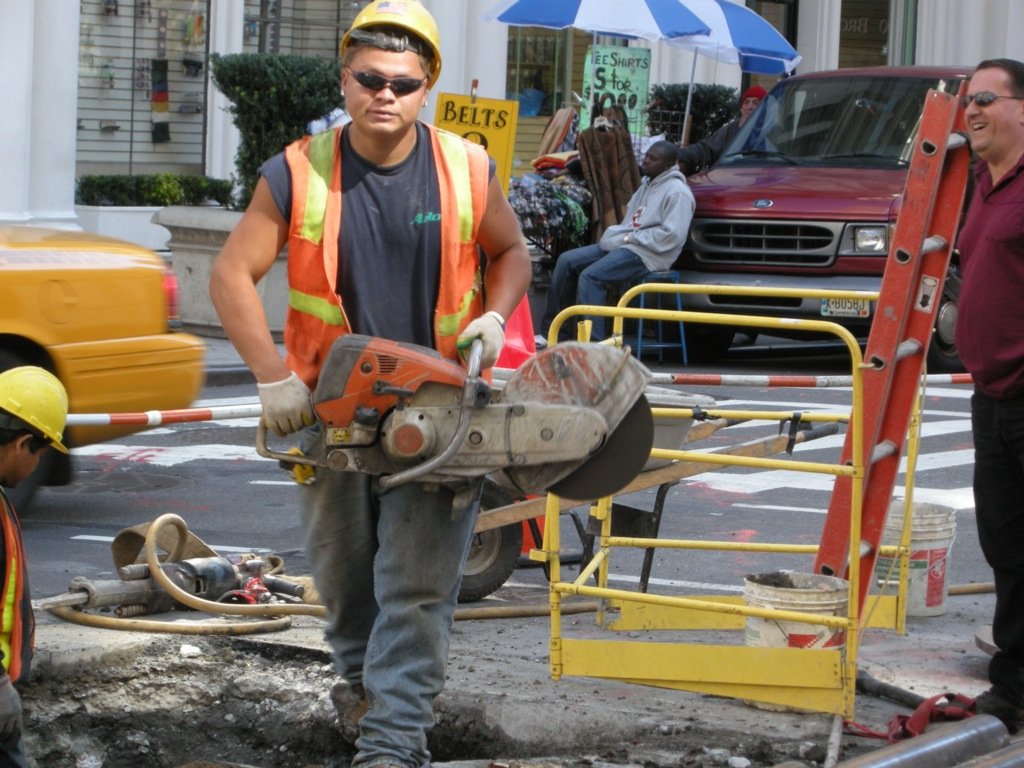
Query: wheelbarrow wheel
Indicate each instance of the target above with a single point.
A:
(493, 554)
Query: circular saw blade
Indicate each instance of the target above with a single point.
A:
(600, 378)
(616, 462)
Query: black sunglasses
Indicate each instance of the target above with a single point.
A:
(984, 98)
(400, 86)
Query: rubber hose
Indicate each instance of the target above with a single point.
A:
(275, 617)
(212, 606)
(278, 609)
(172, 627)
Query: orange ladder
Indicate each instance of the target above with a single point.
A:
(898, 342)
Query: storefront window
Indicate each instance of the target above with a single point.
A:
(864, 33)
(142, 86)
(537, 67)
(143, 74)
(303, 27)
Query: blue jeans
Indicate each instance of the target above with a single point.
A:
(583, 276)
(12, 753)
(998, 428)
(388, 566)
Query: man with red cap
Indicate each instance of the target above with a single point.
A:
(701, 154)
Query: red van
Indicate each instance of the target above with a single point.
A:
(806, 196)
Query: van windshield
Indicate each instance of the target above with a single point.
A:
(841, 121)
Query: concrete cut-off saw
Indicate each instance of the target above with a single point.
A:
(572, 419)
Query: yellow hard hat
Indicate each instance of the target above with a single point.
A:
(409, 15)
(33, 397)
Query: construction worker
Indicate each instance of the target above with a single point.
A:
(33, 410)
(385, 219)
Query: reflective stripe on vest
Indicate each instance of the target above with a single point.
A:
(321, 162)
(15, 645)
(319, 308)
(458, 165)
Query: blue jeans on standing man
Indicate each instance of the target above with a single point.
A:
(584, 276)
(388, 566)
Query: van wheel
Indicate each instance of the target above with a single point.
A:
(707, 343)
(494, 554)
(942, 353)
(21, 495)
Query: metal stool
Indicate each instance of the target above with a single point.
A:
(665, 276)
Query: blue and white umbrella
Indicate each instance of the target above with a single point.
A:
(721, 29)
(647, 19)
(738, 36)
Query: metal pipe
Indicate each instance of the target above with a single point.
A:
(979, 588)
(1011, 756)
(947, 744)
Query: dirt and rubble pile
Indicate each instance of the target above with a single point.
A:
(172, 700)
(169, 701)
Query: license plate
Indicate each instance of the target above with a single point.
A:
(845, 307)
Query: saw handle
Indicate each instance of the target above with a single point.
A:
(285, 458)
(476, 356)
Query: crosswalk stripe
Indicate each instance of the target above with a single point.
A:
(219, 548)
(169, 456)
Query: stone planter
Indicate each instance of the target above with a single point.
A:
(197, 236)
(132, 223)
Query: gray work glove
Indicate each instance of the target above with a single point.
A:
(286, 405)
(10, 710)
(490, 329)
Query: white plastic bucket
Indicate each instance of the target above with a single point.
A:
(932, 531)
(795, 591)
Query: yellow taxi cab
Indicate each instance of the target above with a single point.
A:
(101, 314)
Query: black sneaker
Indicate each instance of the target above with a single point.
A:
(992, 703)
(350, 703)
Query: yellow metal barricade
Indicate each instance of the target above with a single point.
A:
(822, 679)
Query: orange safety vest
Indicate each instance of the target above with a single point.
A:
(17, 622)
(315, 316)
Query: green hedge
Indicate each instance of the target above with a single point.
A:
(273, 98)
(152, 190)
(712, 107)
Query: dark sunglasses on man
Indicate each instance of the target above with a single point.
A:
(984, 98)
(400, 86)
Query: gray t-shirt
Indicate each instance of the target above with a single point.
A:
(389, 245)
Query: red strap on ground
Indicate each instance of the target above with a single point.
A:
(945, 706)
(856, 729)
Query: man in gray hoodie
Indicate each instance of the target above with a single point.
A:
(648, 239)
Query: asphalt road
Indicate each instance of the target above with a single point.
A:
(210, 475)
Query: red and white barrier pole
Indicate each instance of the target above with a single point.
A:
(254, 410)
(782, 380)
(156, 418)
